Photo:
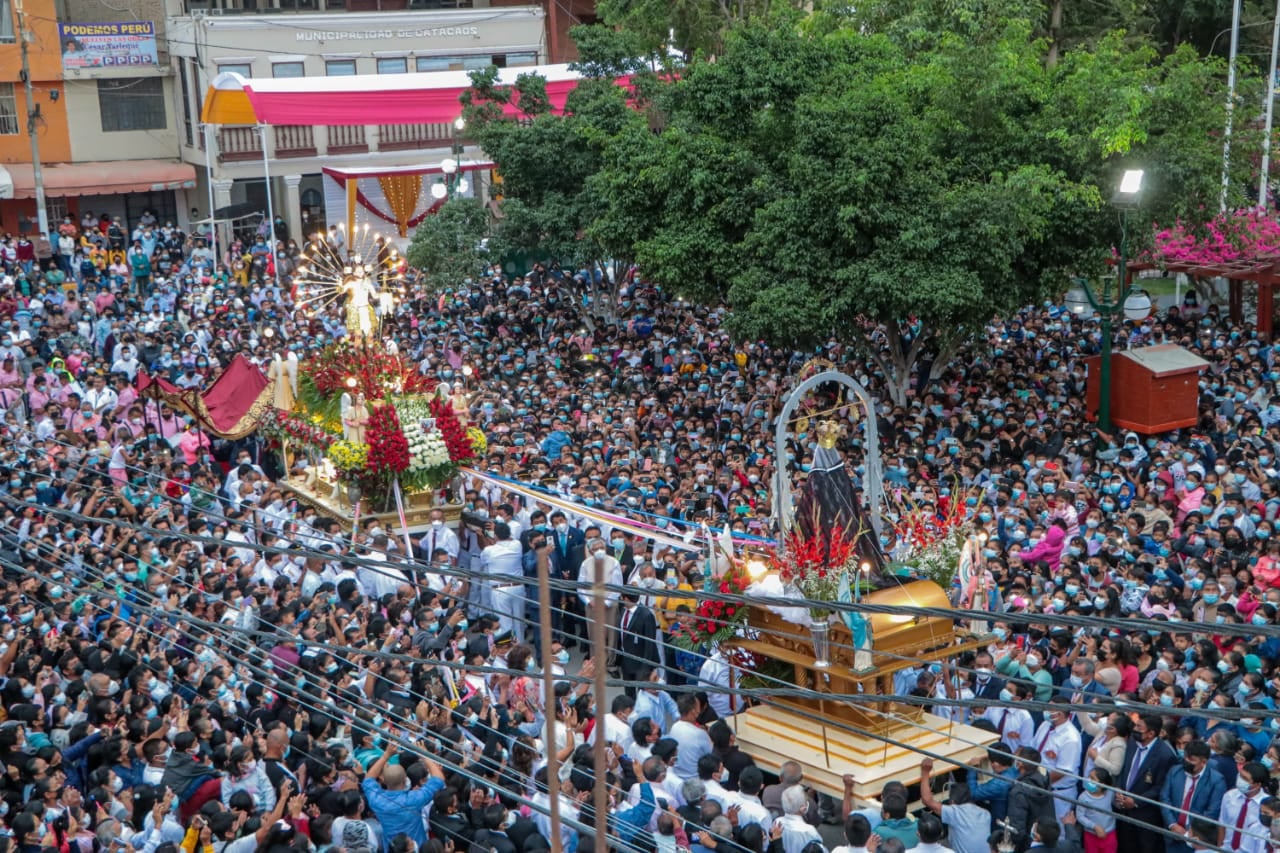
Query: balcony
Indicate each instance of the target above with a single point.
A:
(295, 140)
(407, 137)
(266, 7)
(239, 143)
(347, 139)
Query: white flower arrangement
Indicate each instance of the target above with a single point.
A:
(426, 449)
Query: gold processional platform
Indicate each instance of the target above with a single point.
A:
(832, 737)
(332, 499)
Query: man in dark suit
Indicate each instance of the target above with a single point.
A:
(566, 542)
(620, 549)
(1194, 787)
(493, 838)
(986, 685)
(638, 651)
(1148, 759)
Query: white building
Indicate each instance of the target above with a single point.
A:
(292, 41)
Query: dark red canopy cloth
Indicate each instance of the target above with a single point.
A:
(229, 408)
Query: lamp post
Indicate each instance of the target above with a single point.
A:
(453, 182)
(1128, 301)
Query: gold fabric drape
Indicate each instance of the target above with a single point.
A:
(401, 193)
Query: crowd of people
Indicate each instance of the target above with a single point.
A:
(191, 660)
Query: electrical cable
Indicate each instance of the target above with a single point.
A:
(888, 741)
(166, 533)
(314, 700)
(567, 585)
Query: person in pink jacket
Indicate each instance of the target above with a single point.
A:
(191, 442)
(1049, 549)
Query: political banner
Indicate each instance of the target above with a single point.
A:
(115, 45)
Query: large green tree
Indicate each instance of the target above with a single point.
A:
(545, 159)
(828, 181)
(450, 246)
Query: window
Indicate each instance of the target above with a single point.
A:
(132, 103)
(340, 68)
(188, 129)
(241, 68)
(8, 110)
(287, 69)
(514, 59)
(6, 21)
(473, 63)
(437, 63)
(393, 65)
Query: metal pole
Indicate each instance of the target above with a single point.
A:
(599, 654)
(549, 699)
(1104, 384)
(33, 113)
(271, 210)
(1264, 180)
(1231, 100)
(208, 179)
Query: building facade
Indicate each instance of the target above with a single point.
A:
(325, 38)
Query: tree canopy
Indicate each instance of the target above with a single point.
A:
(823, 180)
(449, 247)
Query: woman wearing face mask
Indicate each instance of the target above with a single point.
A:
(243, 773)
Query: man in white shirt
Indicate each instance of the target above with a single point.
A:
(1059, 744)
(750, 809)
(930, 830)
(617, 726)
(693, 740)
(1014, 724)
(383, 578)
(438, 537)
(501, 562)
(796, 831)
(612, 570)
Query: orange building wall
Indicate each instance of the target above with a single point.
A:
(45, 58)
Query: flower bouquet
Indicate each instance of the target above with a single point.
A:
(812, 566)
(715, 620)
(349, 459)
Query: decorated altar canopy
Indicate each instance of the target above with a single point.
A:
(365, 99)
(381, 196)
(229, 408)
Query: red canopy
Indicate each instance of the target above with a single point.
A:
(230, 408)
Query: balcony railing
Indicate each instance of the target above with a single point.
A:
(239, 143)
(295, 140)
(347, 139)
(262, 7)
(400, 137)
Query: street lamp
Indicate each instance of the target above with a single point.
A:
(1128, 302)
(453, 182)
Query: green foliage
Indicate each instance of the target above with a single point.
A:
(821, 177)
(545, 159)
(448, 247)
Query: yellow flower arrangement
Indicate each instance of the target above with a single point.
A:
(479, 443)
(349, 456)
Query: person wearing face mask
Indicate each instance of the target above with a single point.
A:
(1058, 743)
(1240, 817)
(1192, 790)
(1147, 762)
(438, 537)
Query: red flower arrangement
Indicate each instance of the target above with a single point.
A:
(715, 620)
(279, 427)
(452, 431)
(377, 373)
(388, 449)
(813, 565)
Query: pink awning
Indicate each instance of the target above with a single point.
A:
(119, 176)
(365, 99)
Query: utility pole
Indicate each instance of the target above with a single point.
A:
(33, 115)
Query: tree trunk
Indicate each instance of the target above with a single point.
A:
(1055, 28)
(897, 365)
